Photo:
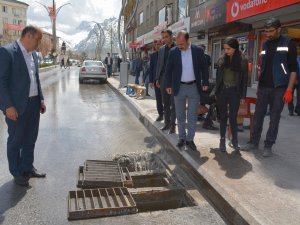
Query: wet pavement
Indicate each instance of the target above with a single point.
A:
(87, 121)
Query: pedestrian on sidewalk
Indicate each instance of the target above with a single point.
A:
(276, 82)
(230, 89)
(168, 99)
(62, 63)
(146, 72)
(153, 64)
(22, 101)
(137, 68)
(186, 73)
(291, 106)
(108, 61)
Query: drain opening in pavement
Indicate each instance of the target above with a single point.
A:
(128, 184)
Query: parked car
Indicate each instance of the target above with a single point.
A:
(92, 69)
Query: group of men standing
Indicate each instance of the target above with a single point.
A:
(178, 73)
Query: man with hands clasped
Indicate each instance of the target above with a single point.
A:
(186, 76)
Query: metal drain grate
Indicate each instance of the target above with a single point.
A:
(103, 174)
(92, 203)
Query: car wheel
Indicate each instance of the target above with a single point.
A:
(104, 81)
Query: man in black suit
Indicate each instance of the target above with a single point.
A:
(186, 77)
(168, 99)
(153, 65)
(22, 101)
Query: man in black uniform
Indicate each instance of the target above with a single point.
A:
(276, 81)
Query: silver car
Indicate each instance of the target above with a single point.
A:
(92, 69)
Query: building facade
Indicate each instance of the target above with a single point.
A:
(13, 18)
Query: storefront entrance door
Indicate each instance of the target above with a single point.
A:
(216, 52)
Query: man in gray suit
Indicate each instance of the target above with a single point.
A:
(168, 99)
(22, 101)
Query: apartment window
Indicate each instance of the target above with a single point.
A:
(141, 16)
(182, 9)
(14, 21)
(14, 11)
(4, 9)
(151, 9)
(147, 12)
(19, 22)
(162, 15)
(5, 20)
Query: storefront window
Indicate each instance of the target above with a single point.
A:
(182, 9)
(162, 15)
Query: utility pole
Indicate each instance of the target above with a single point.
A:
(111, 39)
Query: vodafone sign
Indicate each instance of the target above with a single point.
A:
(240, 9)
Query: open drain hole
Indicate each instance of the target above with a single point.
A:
(153, 186)
(127, 185)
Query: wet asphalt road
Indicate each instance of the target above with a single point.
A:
(82, 122)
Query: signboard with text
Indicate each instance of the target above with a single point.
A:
(208, 14)
(240, 9)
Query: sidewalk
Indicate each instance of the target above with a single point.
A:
(262, 191)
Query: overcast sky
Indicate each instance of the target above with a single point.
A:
(70, 16)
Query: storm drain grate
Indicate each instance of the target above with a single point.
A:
(92, 203)
(103, 174)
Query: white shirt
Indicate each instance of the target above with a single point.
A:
(31, 70)
(188, 73)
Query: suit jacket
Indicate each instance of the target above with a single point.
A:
(14, 78)
(153, 65)
(106, 60)
(174, 69)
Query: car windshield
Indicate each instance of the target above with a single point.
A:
(93, 63)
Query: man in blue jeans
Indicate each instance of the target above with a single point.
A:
(186, 76)
(108, 61)
(276, 82)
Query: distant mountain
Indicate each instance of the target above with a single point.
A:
(88, 45)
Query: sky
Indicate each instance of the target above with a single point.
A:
(70, 16)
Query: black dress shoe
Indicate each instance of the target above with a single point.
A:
(34, 173)
(160, 118)
(21, 181)
(172, 130)
(222, 145)
(165, 127)
(192, 145)
(181, 143)
(210, 127)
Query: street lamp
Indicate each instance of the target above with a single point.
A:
(100, 38)
(53, 12)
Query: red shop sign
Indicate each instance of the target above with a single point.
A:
(239, 9)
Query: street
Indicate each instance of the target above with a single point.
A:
(87, 121)
(82, 122)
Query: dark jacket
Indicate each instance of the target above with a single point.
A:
(241, 79)
(106, 60)
(153, 65)
(174, 69)
(161, 67)
(280, 67)
(146, 69)
(14, 78)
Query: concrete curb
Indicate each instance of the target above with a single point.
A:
(224, 202)
(45, 69)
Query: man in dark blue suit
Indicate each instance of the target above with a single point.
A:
(153, 65)
(22, 101)
(186, 76)
(108, 61)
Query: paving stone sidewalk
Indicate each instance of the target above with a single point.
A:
(262, 190)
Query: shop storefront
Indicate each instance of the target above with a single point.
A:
(204, 17)
(255, 13)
